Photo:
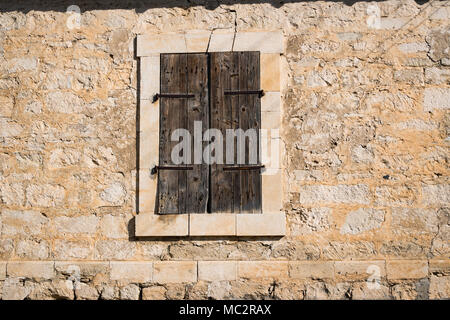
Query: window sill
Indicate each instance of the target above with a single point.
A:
(211, 225)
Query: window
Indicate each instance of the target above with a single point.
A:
(218, 91)
(203, 79)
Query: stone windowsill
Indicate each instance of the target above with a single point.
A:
(213, 225)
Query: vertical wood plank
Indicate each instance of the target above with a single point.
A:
(167, 180)
(220, 188)
(235, 112)
(180, 107)
(254, 117)
(198, 110)
(244, 119)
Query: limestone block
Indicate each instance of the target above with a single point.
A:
(84, 291)
(359, 270)
(217, 270)
(132, 271)
(436, 195)
(441, 267)
(436, 98)
(150, 76)
(3, 270)
(272, 193)
(271, 102)
(439, 287)
(262, 269)
(6, 106)
(160, 43)
(15, 289)
(154, 293)
(31, 269)
(149, 116)
(152, 225)
(197, 40)
(76, 225)
(406, 269)
(148, 149)
(71, 249)
(175, 271)
(270, 71)
(19, 222)
(130, 292)
(115, 249)
(265, 42)
(266, 224)
(114, 227)
(83, 269)
(311, 269)
(313, 194)
(212, 224)
(32, 249)
(148, 184)
(362, 220)
(221, 41)
(270, 120)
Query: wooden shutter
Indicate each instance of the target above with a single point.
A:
(182, 191)
(235, 190)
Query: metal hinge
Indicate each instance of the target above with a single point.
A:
(260, 93)
(250, 167)
(172, 95)
(156, 168)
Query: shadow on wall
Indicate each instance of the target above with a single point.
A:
(141, 5)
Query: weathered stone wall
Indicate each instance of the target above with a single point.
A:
(365, 127)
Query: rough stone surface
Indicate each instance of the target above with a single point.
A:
(23, 223)
(34, 270)
(84, 291)
(362, 220)
(81, 224)
(358, 194)
(140, 272)
(436, 98)
(153, 293)
(15, 289)
(412, 269)
(130, 292)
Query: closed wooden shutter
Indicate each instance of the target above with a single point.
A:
(182, 75)
(234, 81)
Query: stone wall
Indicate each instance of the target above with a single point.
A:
(365, 126)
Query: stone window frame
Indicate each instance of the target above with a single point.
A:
(272, 220)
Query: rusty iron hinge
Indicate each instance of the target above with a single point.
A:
(172, 95)
(260, 93)
(156, 168)
(250, 167)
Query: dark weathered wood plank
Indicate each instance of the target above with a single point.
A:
(254, 113)
(235, 112)
(180, 107)
(220, 189)
(167, 179)
(198, 110)
(244, 124)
